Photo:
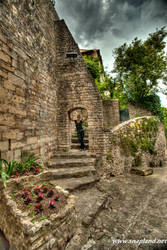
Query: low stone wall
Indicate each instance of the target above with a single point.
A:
(22, 233)
(135, 111)
(136, 143)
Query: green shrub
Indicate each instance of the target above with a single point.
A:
(7, 169)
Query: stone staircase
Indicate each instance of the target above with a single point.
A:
(73, 170)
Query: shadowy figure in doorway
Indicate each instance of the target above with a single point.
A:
(80, 130)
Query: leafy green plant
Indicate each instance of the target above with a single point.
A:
(5, 170)
(164, 110)
(42, 218)
(109, 155)
(28, 162)
(138, 160)
(8, 169)
(12, 196)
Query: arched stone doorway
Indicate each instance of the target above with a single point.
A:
(73, 113)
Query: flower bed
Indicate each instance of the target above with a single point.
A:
(26, 172)
(40, 201)
(36, 216)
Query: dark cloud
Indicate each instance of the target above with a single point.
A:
(91, 19)
(106, 24)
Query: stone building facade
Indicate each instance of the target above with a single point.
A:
(39, 85)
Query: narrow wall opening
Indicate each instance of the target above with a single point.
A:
(79, 132)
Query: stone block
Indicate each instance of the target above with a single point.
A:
(15, 145)
(3, 74)
(17, 154)
(19, 135)
(9, 155)
(20, 74)
(143, 172)
(18, 99)
(6, 67)
(20, 92)
(5, 48)
(9, 135)
(16, 80)
(4, 145)
(9, 85)
(5, 57)
(4, 108)
(14, 63)
(32, 140)
(7, 119)
(17, 111)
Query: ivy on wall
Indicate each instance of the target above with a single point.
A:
(136, 138)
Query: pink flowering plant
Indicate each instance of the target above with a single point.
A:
(27, 200)
(40, 197)
(38, 207)
(52, 203)
(25, 194)
(44, 189)
(56, 197)
(37, 189)
(36, 171)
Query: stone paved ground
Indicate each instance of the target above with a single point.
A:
(136, 209)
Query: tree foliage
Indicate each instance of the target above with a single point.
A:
(140, 65)
(104, 82)
(164, 110)
(93, 66)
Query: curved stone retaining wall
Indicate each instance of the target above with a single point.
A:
(139, 143)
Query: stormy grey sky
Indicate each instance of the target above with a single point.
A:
(107, 24)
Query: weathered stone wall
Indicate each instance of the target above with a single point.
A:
(76, 89)
(111, 113)
(39, 85)
(139, 143)
(28, 85)
(135, 111)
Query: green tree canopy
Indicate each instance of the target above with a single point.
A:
(164, 110)
(141, 65)
(104, 82)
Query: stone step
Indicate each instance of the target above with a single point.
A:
(74, 154)
(70, 162)
(68, 173)
(75, 183)
(77, 145)
(75, 140)
(75, 135)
